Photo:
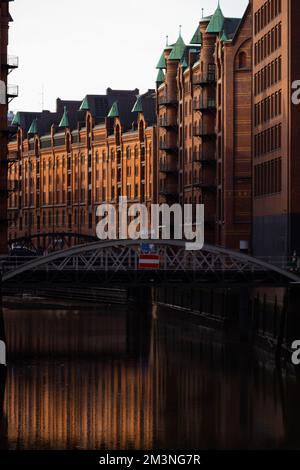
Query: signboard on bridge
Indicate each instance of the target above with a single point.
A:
(149, 261)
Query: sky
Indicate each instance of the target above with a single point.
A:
(71, 48)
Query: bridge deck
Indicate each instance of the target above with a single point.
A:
(118, 263)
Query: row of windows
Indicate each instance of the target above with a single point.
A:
(267, 178)
(268, 76)
(79, 196)
(81, 159)
(268, 108)
(59, 218)
(267, 141)
(266, 14)
(269, 43)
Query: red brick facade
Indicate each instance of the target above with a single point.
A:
(224, 133)
(64, 173)
(204, 118)
(4, 97)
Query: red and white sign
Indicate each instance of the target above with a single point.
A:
(149, 261)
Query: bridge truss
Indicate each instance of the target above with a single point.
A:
(117, 263)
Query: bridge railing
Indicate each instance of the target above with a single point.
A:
(174, 258)
(127, 259)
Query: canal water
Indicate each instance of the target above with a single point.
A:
(122, 378)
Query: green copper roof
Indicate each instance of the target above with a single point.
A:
(34, 127)
(138, 107)
(65, 119)
(216, 23)
(160, 77)
(162, 62)
(224, 37)
(178, 49)
(184, 63)
(85, 105)
(197, 38)
(114, 112)
(16, 120)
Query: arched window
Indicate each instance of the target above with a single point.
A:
(242, 60)
(128, 153)
(136, 152)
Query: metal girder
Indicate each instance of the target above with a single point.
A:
(118, 262)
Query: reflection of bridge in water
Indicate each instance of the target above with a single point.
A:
(117, 262)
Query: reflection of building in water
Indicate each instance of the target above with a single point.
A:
(48, 332)
(81, 404)
(213, 398)
(2, 418)
(188, 392)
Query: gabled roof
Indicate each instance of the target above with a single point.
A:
(162, 62)
(184, 63)
(34, 127)
(197, 38)
(230, 27)
(224, 37)
(24, 119)
(148, 105)
(217, 21)
(178, 49)
(65, 119)
(138, 106)
(160, 77)
(114, 111)
(72, 114)
(85, 105)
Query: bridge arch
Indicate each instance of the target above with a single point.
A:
(123, 256)
(51, 241)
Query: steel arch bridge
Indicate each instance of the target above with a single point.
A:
(51, 241)
(117, 263)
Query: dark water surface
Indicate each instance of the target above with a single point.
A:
(115, 379)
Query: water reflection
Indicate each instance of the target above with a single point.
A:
(122, 382)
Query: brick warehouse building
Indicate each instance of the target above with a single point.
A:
(84, 154)
(276, 65)
(226, 137)
(6, 94)
(204, 119)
